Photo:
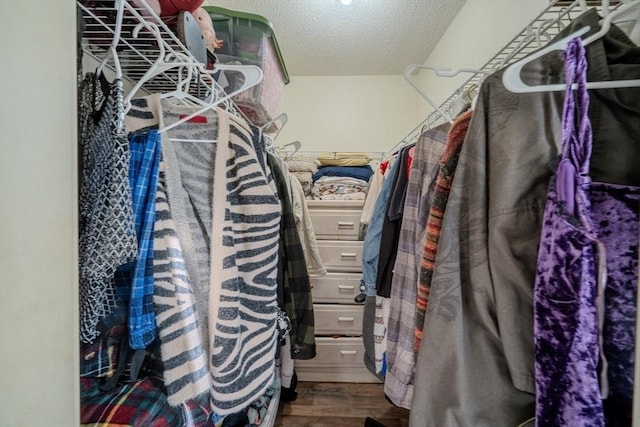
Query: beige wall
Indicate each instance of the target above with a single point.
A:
(372, 113)
(480, 30)
(38, 261)
(347, 113)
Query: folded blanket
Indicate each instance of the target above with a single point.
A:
(359, 172)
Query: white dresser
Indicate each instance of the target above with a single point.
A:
(338, 319)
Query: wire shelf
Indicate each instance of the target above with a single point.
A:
(551, 21)
(137, 54)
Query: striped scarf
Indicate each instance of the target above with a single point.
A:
(440, 193)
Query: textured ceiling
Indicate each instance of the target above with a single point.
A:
(366, 37)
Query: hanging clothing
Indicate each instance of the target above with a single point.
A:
(107, 230)
(391, 223)
(296, 298)
(398, 382)
(371, 243)
(392, 220)
(189, 183)
(143, 178)
(566, 289)
(375, 184)
(370, 254)
(190, 169)
(186, 373)
(478, 343)
(244, 256)
(616, 210)
(304, 225)
(440, 195)
(585, 320)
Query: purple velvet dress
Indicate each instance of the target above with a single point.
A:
(586, 280)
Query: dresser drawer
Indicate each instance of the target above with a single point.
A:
(338, 288)
(337, 360)
(342, 351)
(341, 256)
(334, 319)
(336, 224)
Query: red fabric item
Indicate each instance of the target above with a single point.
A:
(195, 119)
(172, 7)
(412, 150)
(384, 166)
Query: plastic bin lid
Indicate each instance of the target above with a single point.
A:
(255, 21)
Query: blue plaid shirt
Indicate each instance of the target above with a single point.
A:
(143, 177)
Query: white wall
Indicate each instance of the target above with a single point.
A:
(480, 30)
(38, 257)
(348, 113)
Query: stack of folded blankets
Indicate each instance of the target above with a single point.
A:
(303, 169)
(342, 176)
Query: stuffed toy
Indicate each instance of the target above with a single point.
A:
(206, 26)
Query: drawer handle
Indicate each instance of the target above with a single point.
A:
(346, 287)
(346, 319)
(345, 224)
(348, 255)
(348, 352)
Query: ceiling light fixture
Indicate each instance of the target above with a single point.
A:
(345, 2)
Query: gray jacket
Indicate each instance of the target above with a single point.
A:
(475, 366)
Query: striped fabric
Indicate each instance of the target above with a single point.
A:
(189, 179)
(186, 374)
(448, 163)
(398, 382)
(244, 255)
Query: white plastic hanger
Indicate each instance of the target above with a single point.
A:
(159, 65)
(513, 81)
(296, 145)
(583, 5)
(631, 21)
(282, 119)
(112, 52)
(252, 76)
(182, 87)
(442, 72)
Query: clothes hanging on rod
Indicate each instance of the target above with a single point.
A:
(211, 234)
(479, 320)
(441, 190)
(448, 307)
(400, 355)
(107, 232)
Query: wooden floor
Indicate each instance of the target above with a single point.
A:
(340, 405)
